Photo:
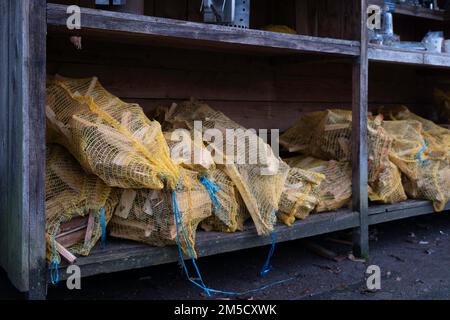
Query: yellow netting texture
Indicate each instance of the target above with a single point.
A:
(300, 196)
(327, 135)
(71, 193)
(335, 190)
(110, 138)
(148, 215)
(421, 151)
(230, 214)
(260, 183)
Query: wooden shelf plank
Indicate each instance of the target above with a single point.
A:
(407, 209)
(119, 255)
(418, 12)
(412, 57)
(122, 26)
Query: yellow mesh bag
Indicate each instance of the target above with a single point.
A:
(421, 157)
(300, 195)
(260, 184)
(384, 177)
(242, 215)
(228, 213)
(189, 152)
(148, 215)
(438, 137)
(71, 197)
(327, 135)
(335, 191)
(110, 138)
(323, 134)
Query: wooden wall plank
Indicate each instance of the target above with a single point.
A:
(24, 157)
(4, 102)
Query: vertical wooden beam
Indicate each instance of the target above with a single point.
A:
(359, 140)
(35, 61)
(22, 215)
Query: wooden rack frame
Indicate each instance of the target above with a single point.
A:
(22, 126)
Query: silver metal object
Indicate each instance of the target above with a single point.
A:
(235, 13)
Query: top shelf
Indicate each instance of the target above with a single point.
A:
(126, 27)
(420, 12)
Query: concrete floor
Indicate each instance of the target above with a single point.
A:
(413, 254)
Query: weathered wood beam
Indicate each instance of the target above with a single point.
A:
(359, 140)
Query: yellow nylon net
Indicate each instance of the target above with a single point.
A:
(188, 151)
(110, 138)
(71, 196)
(327, 135)
(259, 181)
(421, 151)
(335, 191)
(300, 196)
(148, 215)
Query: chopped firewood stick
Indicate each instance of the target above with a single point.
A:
(65, 253)
(90, 228)
(69, 232)
(126, 203)
(72, 238)
(74, 224)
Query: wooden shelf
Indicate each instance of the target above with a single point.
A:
(119, 255)
(420, 12)
(413, 57)
(126, 27)
(407, 209)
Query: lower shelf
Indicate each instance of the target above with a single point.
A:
(120, 255)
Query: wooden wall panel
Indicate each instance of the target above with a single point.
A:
(258, 92)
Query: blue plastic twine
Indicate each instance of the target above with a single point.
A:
(267, 267)
(212, 189)
(103, 225)
(54, 271)
(198, 282)
(419, 155)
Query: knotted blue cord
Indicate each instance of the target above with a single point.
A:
(103, 226)
(201, 284)
(419, 155)
(179, 220)
(212, 189)
(54, 271)
(267, 267)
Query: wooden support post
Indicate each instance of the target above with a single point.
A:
(359, 139)
(22, 157)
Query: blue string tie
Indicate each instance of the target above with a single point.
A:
(198, 281)
(54, 267)
(212, 188)
(267, 267)
(419, 155)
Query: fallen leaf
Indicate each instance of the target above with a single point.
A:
(354, 259)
